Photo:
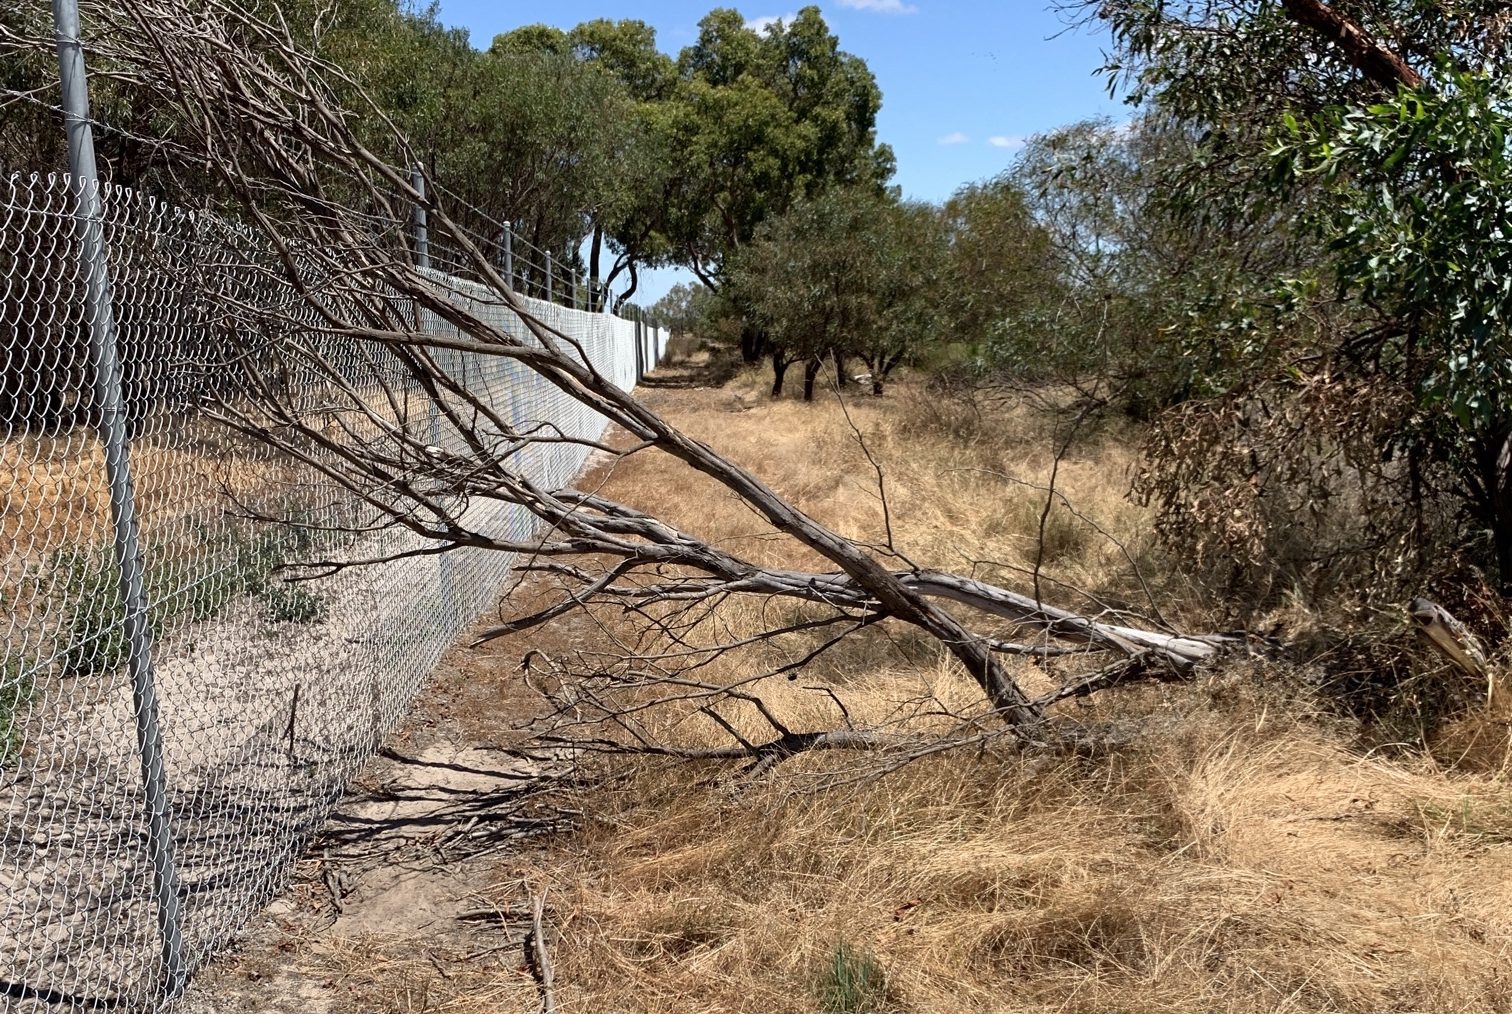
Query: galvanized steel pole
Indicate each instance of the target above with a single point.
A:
(509, 278)
(421, 222)
(89, 221)
(446, 569)
(550, 282)
(640, 345)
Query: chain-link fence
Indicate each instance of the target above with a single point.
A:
(268, 694)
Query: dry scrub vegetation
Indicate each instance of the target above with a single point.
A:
(1224, 845)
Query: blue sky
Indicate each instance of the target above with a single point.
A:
(963, 83)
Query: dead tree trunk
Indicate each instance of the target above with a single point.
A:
(258, 109)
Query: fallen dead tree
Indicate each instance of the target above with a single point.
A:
(318, 219)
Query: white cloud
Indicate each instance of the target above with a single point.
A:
(881, 6)
(955, 138)
(760, 25)
(1006, 141)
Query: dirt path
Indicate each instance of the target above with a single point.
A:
(392, 882)
(385, 912)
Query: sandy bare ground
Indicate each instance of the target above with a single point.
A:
(263, 725)
(392, 883)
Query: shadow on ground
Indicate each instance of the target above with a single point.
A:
(707, 369)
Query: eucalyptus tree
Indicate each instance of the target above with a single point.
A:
(1137, 274)
(1003, 294)
(692, 155)
(623, 210)
(757, 122)
(684, 308)
(626, 49)
(1379, 127)
(848, 271)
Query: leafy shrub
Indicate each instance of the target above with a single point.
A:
(94, 636)
(195, 584)
(288, 603)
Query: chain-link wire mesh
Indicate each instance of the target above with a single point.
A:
(270, 694)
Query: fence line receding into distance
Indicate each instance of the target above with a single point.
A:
(268, 694)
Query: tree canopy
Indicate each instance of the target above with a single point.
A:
(1371, 136)
(848, 271)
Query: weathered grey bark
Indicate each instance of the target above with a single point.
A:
(238, 85)
(1369, 56)
(1450, 638)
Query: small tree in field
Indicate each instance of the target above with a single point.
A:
(1004, 275)
(910, 279)
(849, 272)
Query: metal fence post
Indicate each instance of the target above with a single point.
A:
(421, 220)
(509, 278)
(446, 567)
(550, 282)
(640, 370)
(89, 220)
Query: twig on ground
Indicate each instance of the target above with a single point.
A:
(537, 957)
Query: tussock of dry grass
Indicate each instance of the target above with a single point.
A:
(1232, 855)
(1231, 868)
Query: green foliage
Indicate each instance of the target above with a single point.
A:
(1377, 308)
(589, 135)
(289, 603)
(255, 574)
(29, 135)
(853, 983)
(1161, 278)
(627, 50)
(1001, 285)
(94, 638)
(1421, 221)
(195, 584)
(685, 308)
(760, 121)
(851, 271)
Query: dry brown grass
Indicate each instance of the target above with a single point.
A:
(1235, 855)
(962, 488)
(1235, 871)
(54, 492)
